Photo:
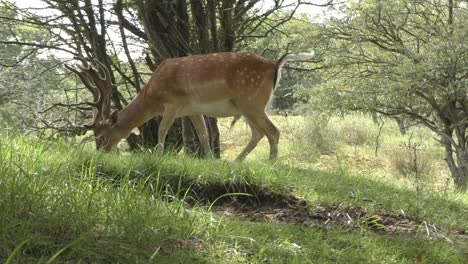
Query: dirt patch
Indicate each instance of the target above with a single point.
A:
(257, 203)
(243, 199)
(301, 213)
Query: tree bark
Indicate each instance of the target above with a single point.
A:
(227, 24)
(211, 10)
(459, 167)
(213, 130)
(402, 124)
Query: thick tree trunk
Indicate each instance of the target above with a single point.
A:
(148, 138)
(460, 178)
(200, 19)
(189, 138)
(459, 167)
(211, 11)
(227, 24)
(213, 130)
(167, 25)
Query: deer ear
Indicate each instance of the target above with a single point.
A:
(113, 117)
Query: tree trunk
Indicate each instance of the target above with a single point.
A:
(167, 25)
(458, 168)
(402, 124)
(201, 23)
(189, 138)
(148, 138)
(227, 24)
(213, 130)
(460, 178)
(211, 10)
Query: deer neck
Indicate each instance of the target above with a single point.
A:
(135, 114)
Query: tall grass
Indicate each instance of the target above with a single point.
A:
(54, 206)
(352, 142)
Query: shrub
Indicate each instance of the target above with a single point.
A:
(313, 139)
(412, 163)
(356, 130)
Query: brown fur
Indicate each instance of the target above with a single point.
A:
(240, 83)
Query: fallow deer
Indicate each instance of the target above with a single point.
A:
(216, 85)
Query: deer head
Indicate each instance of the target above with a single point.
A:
(96, 78)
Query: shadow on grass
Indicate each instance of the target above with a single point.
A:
(255, 185)
(380, 193)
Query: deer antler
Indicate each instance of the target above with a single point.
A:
(96, 78)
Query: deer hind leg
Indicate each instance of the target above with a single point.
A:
(273, 135)
(167, 120)
(257, 135)
(200, 127)
(270, 130)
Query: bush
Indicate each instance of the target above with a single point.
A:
(412, 163)
(313, 139)
(356, 130)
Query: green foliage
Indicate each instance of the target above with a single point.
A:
(314, 139)
(353, 143)
(404, 58)
(357, 131)
(8, 53)
(295, 35)
(29, 80)
(398, 73)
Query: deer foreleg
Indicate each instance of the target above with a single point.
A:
(167, 120)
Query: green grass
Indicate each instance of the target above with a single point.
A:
(280, 243)
(349, 143)
(55, 207)
(65, 203)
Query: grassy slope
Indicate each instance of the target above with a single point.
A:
(65, 204)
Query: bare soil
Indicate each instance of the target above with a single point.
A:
(301, 213)
(285, 208)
